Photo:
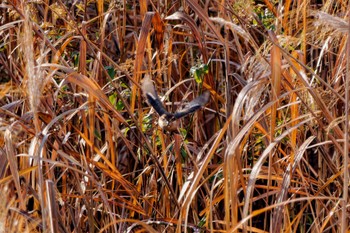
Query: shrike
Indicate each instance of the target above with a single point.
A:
(165, 117)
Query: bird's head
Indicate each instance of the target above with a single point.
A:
(163, 121)
(168, 123)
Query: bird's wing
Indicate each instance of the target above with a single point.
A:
(193, 106)
(151, 95)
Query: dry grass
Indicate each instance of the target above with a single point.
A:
(80, 150)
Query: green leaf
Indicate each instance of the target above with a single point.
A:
(146, 123)
(120, 105)
(204, 68)
(113, 99)
(110, 71)
(199, 71)
(183, 132)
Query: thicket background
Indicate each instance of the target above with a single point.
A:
(80, 149)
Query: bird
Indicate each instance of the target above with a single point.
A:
(167, 118)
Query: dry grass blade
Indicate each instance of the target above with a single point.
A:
(276, 77)
(336, 23)
(11, 158)
(201, 13)
(52, 210)
(196, 179)
(92, 88)
(194, 29)
(140, 51)
(278, 213)
(158, 26)
(3, 209)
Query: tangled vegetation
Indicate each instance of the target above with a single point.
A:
(81, 150)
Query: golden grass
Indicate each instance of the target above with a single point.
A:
(80, 150)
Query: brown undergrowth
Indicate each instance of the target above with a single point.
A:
(81, 151)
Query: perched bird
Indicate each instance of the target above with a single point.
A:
(166, 118)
